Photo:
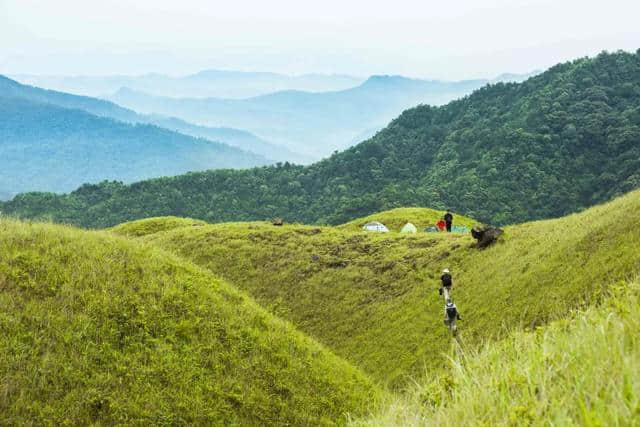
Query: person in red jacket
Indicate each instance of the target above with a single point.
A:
(441, 225)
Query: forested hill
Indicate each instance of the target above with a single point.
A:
(561, 141)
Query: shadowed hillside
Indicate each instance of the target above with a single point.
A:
(95, 329)
(244, 140)
(47, 148)
(373, 298)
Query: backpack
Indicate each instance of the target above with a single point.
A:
(446, 279)
(452, 312)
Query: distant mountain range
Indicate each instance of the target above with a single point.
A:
(99, 107)
(50, 141)
(207, 83)
(559, 142)
(314, 124)
(235, 137)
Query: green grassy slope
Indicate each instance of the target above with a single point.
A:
(98, 329)
(148, 226)
(373, 298)
(395, 219)
(584, 370)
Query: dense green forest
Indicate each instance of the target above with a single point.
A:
(556, 143)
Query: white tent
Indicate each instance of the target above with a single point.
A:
(375, 226)
(409, 228)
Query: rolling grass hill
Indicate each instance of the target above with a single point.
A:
(149, 226)
(582, 370)
(372, 298)
(99, 330)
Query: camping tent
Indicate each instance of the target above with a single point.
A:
(409, 228)
(375, 226)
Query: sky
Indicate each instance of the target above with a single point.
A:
(448, 40)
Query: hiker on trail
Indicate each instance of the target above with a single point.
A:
(451, 314)
(441, 225)
(446, 283)
(448, 219)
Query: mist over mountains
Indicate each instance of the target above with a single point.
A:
(56, 141)
(206, 83)
(52, 141)
(234, 137)
(313, 124)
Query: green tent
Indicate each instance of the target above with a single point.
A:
(409, 228)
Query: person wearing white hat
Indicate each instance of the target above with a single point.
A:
(446, 283)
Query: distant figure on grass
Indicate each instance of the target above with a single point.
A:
(447, 282)
(448, 219)
(441, 225)
(451, 315)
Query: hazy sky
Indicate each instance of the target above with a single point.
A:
(436, 39)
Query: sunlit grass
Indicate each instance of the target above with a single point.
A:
(372, 298)
(96, 329)
(583, 370)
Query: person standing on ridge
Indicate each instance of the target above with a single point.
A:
(448, 219)
(447, 282)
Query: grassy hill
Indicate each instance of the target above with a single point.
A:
(395, 219)
(150, 226)
(556, 143)
(582, 370)
(372, 298)
(96, 329)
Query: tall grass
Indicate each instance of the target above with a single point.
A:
(583, 370)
